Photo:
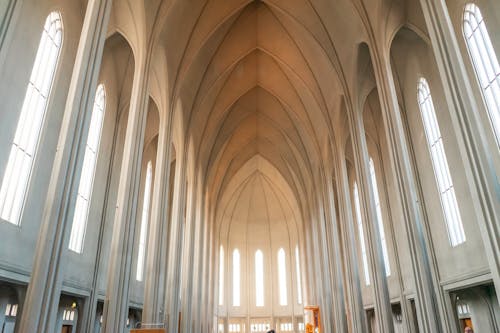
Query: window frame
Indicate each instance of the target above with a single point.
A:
(79, 227)
(26, 141)
(143, 235)
(361, 233)
(259, 279)
(236, 278)
(442, 176)
(482, 55)
(282, 278)
(378, 208)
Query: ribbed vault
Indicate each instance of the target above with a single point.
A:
(255, 78)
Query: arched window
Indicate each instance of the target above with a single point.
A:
(259, 278)
(485, 62)
(20, 163)
(144, 222)
(236, 277)
(361, 233)
(299, 279)
(80, 216)
(440, 164)
(221, 275)
(282, 277)
(379, 218)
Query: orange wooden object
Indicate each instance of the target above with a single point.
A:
(313, 318)
(148, 330)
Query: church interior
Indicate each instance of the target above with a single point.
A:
(240, 166)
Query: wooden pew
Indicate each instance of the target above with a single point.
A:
(148, 330)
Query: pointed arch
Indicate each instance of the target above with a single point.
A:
(485, 62)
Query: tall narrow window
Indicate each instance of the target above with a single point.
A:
(485, 62)
(361, 233)
(144, 222)
(299, 280)
(221, 275)
(282, 276)
(20, 163)
(236, 277)
(440, 163)
(259, 278)
(80, 216)
(379, 218)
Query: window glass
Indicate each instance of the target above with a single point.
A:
(17, 173)
(221, 275)
(361, 233)
(485, 62)
(282, 277)
(440, 164)
(259, 278)
(82, 206)
(144, 222)
(299, 279)
(236, 277)
(379, 218)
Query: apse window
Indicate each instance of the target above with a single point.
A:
(282, 277)
(259, 278)
(144, 222)
(20, 164)
(440, 164)
(299, 280)
(236, 277)
(485, 62)
(380, 221)
(361, 233)
(82, 206)
(221, 275)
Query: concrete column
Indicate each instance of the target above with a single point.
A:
(356, 317)
(172, 293)
(6, 11)
(324, 292)
(154, 286)
(191, 262)
(432, 316)
(116, 303)
(210, 286)
(474, 149)
(383, 310)
(42, 298)
(335, 255)
(207, 252)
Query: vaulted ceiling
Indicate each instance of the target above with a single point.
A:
(264, 78)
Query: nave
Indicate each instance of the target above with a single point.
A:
(238, 166)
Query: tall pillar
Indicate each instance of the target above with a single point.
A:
(324, 292)
(42, 298)
(480, 172)
(201, 278)
(353, 285)
(172, 294)
(383, 310)
(156, 266)
(190, 260)
(334, 260)
(116, 303)
(6, 11)
(431, 308)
